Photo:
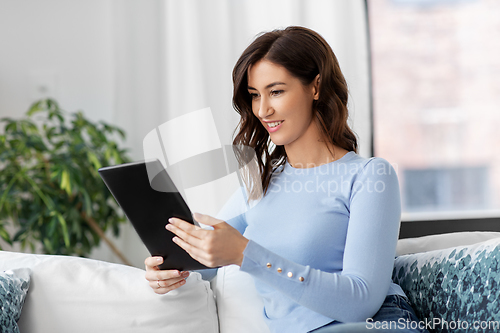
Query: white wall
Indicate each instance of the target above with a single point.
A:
(66, 46)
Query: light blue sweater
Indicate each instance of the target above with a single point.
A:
(323, 241)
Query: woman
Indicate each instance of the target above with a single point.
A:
(321, 242)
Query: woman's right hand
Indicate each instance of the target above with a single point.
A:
(163, 281)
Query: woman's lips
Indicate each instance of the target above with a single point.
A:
(275, 128)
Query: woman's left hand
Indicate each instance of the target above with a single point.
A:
(219, 247)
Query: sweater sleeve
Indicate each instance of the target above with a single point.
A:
(358, 291)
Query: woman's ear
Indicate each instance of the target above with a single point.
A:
(316, 82)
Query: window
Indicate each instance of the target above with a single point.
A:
(455, 188)
(436, 103)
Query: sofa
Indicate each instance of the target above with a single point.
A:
(450, 277)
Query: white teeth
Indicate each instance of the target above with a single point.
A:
(271, 125)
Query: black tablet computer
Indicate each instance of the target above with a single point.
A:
(149, 210)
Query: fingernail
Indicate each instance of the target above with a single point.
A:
(185, 274)
(159, 259)
(168, 227)
(170, 220)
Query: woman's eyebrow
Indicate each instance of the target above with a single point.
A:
(270, 85)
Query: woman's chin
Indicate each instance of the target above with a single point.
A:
(278, 141)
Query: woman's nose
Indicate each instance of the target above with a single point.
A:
(265, 108)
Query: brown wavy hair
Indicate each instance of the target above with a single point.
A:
(305, 54)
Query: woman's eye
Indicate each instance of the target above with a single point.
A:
(254, 96)
(276, 92)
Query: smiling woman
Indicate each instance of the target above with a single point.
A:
(284, 56)
(320, 244)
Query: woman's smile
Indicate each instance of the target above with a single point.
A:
(273, 126)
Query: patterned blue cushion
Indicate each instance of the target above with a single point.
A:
(456, 288)
(14, 286)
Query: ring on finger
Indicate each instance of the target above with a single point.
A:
(158, 282)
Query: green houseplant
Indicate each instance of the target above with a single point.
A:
(49, 185)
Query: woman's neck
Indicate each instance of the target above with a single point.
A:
(312, 149)
(313, 155)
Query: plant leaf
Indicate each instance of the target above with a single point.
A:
(65, 182)
(5, 235)
(87, 204)
(64, 226)
(9, 186)
(93, 159)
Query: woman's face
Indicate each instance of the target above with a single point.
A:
(282, 103)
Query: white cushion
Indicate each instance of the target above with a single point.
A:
(71, 294)
(239, 306)
(442, 241)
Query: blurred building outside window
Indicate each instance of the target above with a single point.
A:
(436, 103)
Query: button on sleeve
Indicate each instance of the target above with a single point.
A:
(258, 262)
